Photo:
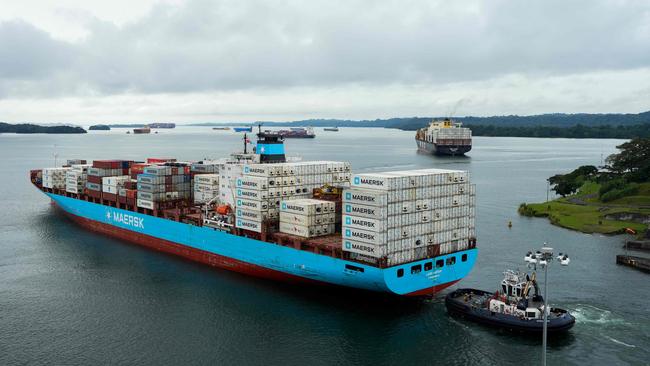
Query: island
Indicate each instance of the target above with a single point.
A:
(99, 128)
(613, 199)
(32, 128)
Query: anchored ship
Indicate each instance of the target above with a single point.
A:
(407, 233)
(444, 138)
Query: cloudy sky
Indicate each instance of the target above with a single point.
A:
(240, 60)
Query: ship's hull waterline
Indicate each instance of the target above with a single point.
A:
(266, 260)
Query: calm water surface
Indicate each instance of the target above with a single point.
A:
(68, 296)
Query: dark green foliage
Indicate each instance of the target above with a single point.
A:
(566, 184)
(614, 184)
(99, 128)
(614, 194)
(633, 161)
(30, 128)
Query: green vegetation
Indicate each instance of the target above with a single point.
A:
(581, 125)
(31, 128)
(99, 128)
(605, 201)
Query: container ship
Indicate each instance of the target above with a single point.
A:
(407, 233)
(295, 133)
(444, 138)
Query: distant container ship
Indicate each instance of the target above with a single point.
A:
(142, 130)
(409, 233)
(295, 133)
(243, 129)
(444, 138)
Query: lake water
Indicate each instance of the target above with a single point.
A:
(69, 296)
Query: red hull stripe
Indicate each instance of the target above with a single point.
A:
(213, 259)
(190, 253)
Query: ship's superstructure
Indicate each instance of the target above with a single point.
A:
(444, 138)
(405, 232)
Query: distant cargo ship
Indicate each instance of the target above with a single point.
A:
(221, 128)
(444, 138)
(141, 130)
(331, 129)
(295, 133)
(409, 233)
(162, 125)
(243, 129)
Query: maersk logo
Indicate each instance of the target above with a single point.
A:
(348, 232)
(348, 195)
(284, 206)
(356, 180)
(348, 245)
(348, 208)
(126, 219)
(238, 202)
(246, 169)
(239, 192)
(347, 221)
(238, 182)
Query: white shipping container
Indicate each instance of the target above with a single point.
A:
(145, 204)
(305, 206)
(256, 183)
(250, 194)
(262, 170)
(306, 231)
(116, 180)
(199, 187)
(364, 236)
(248, 225)
(252, 205)
(257, 216)
(353, 246)
(365, 211)
(364, 223)
(109, 189)
(365, 197)
(307, 220)
(207, 179)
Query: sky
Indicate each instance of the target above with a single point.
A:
(224, 61)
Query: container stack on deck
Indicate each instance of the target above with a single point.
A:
(163, 183)
(205, 187)
(407, 215)
(76, 178)
(54, 178)
(307, 217)
(260, 188)
(101, 169)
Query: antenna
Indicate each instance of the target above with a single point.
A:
(245, 144)
(56, 155)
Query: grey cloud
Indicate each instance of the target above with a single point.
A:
(227, 45)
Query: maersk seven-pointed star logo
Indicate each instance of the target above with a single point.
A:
(108, 215)
(262, 149)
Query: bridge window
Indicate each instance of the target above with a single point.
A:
(463, 258)
(451, 261)
(400, 272)
(428, 266)
(416, 269)
(354, 268)
(440, 263)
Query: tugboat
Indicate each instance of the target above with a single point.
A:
(510, 308)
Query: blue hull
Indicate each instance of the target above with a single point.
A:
(285, 260)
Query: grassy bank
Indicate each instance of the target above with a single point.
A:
(584, 211)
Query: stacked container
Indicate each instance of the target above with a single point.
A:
(408, 215)
(260, 188)
(54, 178)
(307, 217)
(205, 187)
(111, 186)
(101, 169)
(161, 183)
(76, 178)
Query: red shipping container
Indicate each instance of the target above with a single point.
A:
(94, 179)
(121, 200)
(130, 201)
(131, 193)
(109, 197)
(160, 160)
(93, 193)
(107, 164)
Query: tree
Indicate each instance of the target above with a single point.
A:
(566, 184)
(633, 162)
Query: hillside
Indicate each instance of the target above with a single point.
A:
(31, 128)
